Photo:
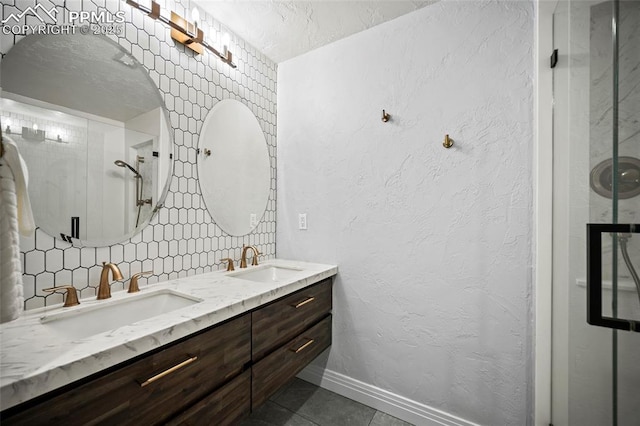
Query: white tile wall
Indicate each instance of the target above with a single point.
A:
(181, 239)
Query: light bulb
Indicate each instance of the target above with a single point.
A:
(195, 16)
(226, 39)
(35, 127)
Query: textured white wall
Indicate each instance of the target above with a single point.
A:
(433, 297)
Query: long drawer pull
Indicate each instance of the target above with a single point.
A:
(301, 348)
(304, 302)
(168, 371)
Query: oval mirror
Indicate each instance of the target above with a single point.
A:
(234, 169)
(92, 129)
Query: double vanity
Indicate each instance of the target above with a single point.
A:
(206, 349)
(210, 347)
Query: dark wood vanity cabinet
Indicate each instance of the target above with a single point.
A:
(152, 389)
(287, 335)
(280, 321)
(276, 369)
(223, 407)
(213, 377)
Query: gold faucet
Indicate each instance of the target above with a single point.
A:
(243, 259)
(229, 263)
(133, 282)
(104, 290)
(72, 294)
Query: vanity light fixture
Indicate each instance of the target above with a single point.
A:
(194, 36)
(183, 31)
(33, 133)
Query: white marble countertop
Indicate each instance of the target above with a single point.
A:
(33, 360)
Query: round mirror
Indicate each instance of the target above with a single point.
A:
(92, 129)
(234, 170)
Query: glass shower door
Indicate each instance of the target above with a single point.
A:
(596, 312)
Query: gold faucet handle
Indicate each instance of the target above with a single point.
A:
(133, 282)
(229, 263)
(72, 294)
(256, 253)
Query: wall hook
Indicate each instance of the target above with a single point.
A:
(448, 142)
(385, 116)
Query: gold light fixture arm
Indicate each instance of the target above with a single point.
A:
(180, 32)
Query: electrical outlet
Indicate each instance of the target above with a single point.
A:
(253, 220)
(302, 221)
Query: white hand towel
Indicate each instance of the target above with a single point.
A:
(15, 216)
(10, 268)
(21, 178)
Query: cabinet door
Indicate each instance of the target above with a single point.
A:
(282, 365)
(153, 388)
(226, 406)
(282, 320)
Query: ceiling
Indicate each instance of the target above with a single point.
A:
(82, 72)
(283, 29)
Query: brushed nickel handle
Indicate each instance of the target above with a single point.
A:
(304, 302)
(303, 347)
(168, 371)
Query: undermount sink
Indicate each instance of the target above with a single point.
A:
(266, 273)
(81, 322)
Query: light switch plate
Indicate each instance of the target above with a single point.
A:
(302, 221)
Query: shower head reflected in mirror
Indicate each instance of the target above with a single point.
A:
(121, 163)
(601, 178)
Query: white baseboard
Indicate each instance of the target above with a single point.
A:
(380, 399)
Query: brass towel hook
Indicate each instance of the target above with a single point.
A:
(448, 142)
(385, 116)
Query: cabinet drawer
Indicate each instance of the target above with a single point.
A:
(282, 365)
(224, 407)
(153, 388)
(280, 321)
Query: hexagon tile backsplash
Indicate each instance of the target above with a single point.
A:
(182, 238)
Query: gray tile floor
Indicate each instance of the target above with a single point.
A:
(302, 404)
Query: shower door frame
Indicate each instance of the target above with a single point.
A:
(552, 225)
(543, 211)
